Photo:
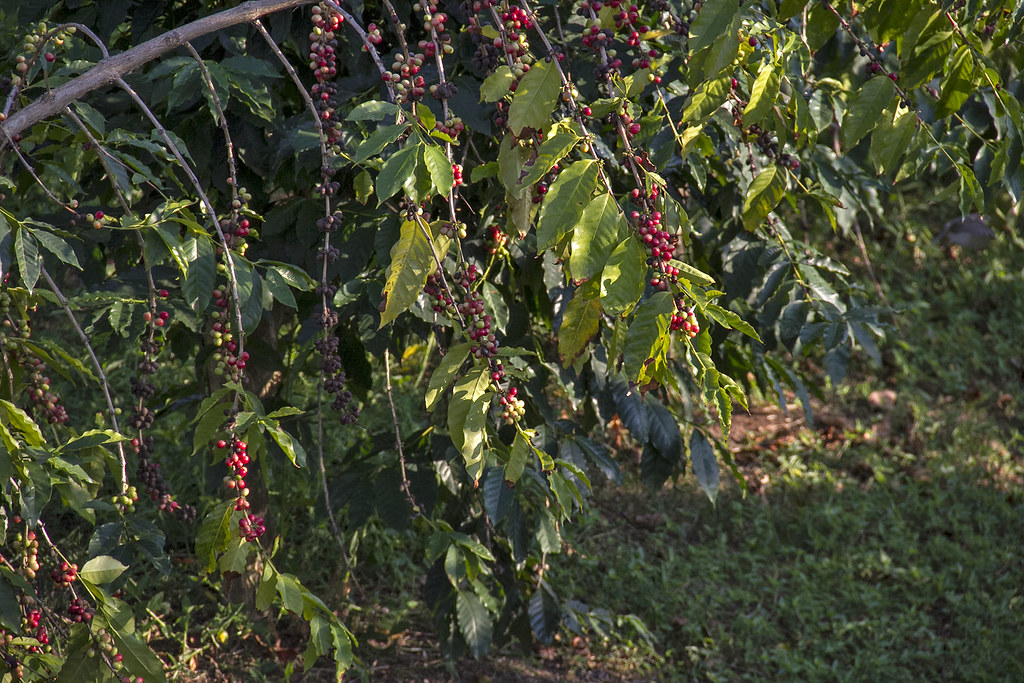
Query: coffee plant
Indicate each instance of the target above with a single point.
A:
(407, 261)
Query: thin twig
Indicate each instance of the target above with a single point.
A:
(398, 435)
(104, 385)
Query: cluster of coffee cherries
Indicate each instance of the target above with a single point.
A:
(238, 464)
(451, 126)
(65, 575)
(149, 475)
(33, 47)
(453, 230)
(512, 408)
(46, 402)
(127, 500)
(32, 622)
(226, 362)
(511, 44)
(28, 548)
(496, 239)
(684, 319)
(79, 610)
(478, 321)
(404, 74)
(770, 148)
(323, 62)
(433, 21)
(236, 233)
(436, 292)
(457, 174)
(251, 527)
(105, 644)
(335, 379)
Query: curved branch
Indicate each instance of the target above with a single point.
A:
(109, 71)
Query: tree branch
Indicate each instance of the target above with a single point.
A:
(110, 70)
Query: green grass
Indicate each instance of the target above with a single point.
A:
(889, 551)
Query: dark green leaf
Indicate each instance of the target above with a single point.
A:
(957, 83)
(378, 140)
(865, 109)
(704, 464)
(396, 172)
(200, 278)
(712, 21)
(474, 622)
(56, 246)
(279, 288)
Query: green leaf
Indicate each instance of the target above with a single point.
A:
(267, 590)
(727, 318)
(290, 445)
(377, 141)
(704, 464)
(440, 169)
(472, 546)
(497, 84)
(250, 294)
(213, 535)
(512, 160)
(24, 423)
(535, 98)
(712, 21)
(664, 431)
(363, 185)
(279, 288)
(891, 140)
(56, 246)
(564, 203)
(691, 274)
(518, 457)
(136, 656)
(242, 65)
(295, 277)
(763, 196)
(467, 416)
(92, 438)
(580, 322)
(28, 258)
(708, 99)
(374, 111)
(865, 109)
(102, 569)
(646, 334)
(474, 622)
(200, 278)
(762, 95)
(598, 232)
(624, 277)
(412, 260)
(550, 152)
(445, 373)
(396, 172)
(957, 83)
